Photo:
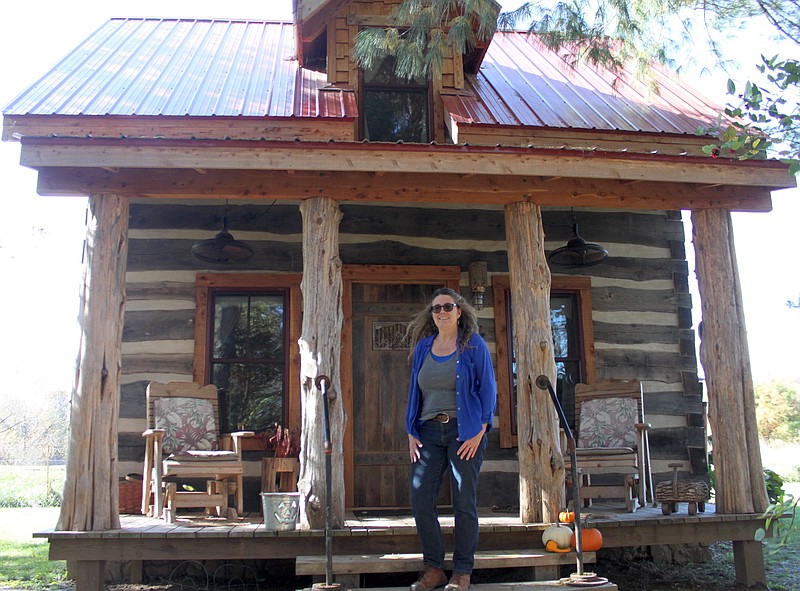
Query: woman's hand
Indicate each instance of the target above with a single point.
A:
(470, 446)
(413, 448)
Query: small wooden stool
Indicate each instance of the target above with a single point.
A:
(281, 471)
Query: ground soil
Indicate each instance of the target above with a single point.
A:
(717, 574)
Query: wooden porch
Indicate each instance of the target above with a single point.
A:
(372, 535)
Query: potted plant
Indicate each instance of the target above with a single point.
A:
(279, 473)
(284, 442)
(280, 501)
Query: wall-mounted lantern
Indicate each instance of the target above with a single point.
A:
(478, 278)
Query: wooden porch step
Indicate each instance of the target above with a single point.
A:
(357, 564)
(526, 586)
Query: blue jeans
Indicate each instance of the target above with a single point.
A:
(439, 450)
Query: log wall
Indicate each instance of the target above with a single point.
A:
(641, 302)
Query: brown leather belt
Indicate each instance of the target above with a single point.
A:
(442, 417)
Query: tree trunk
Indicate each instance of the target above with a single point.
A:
(726, 359)
(320, 354)
(541, 463)
(91, 489)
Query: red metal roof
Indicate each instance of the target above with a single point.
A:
(178, 67)
(229, 68)
(523, 83)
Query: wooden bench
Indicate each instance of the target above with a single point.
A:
(349, 568)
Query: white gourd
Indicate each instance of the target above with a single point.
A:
(560, 534)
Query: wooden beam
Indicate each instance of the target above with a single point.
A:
(91, 488)
(748, 560)
(431, 188)
(89, 575)
(402, 159)
(541, 462)
(148, 541)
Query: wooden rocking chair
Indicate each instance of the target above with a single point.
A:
(182, 442)
(612, 439)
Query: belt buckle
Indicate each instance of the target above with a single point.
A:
(443, 417)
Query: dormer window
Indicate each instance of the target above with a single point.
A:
(393, 108)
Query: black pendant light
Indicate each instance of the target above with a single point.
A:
(222, 248)
(577, 252)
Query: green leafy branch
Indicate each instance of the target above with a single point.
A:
(783, 504)
(766, 120)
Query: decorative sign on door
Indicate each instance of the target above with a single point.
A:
(390, 336)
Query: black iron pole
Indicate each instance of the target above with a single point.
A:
(543, 383)
(322, 383)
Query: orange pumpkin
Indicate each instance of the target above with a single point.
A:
(553, 547)
(567, 517)
(591, 538)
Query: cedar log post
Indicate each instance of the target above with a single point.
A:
(541, 463)
(725, 357)
(320, 353)
(91, 489)
(726, 361)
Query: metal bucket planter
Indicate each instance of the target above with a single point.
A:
(280, 510)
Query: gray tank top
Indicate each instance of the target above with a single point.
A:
(437, 380)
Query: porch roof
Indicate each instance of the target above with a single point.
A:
(248, 69)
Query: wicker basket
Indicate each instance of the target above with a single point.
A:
(130, 496)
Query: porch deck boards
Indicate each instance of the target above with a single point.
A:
(398, 563)
(199, 537)
(499, 531)
(526, 586)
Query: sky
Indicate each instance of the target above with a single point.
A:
(41, 238)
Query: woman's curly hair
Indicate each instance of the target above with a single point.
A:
(422, 325)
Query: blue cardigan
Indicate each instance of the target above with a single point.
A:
(476, 388)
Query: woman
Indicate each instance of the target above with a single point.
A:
(451, 401)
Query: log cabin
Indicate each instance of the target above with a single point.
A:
(359, 193)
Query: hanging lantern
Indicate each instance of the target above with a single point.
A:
(222, 248)
(577, 252)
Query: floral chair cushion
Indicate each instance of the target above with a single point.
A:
(608, 422)
(188, 424)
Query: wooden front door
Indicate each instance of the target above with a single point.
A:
(380, 310)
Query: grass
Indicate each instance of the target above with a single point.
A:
(29, 500)
(24, 561)
(31, 486)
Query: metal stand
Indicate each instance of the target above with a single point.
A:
(322, 382)
(579, 578)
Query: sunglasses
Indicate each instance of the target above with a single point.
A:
(446, 307)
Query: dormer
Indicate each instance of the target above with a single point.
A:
(326, 32)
